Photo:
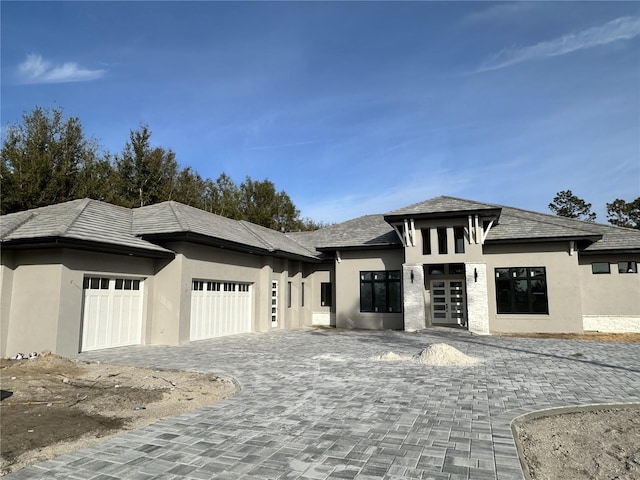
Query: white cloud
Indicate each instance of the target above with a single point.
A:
(622, 28)
(37, 70)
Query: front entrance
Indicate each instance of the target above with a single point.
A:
(448, 303)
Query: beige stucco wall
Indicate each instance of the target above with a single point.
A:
(563, 287)
(43, 309)
(612, 294)
(7, 267)
(317, 313)
(610, 302)
(347, 295)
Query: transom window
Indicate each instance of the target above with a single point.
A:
(600, 268)
(522, 290)
(380, 291)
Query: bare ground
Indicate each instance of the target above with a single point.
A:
(596, 445)
(52, 405)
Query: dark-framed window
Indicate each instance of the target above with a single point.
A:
(326, 295)
(598, 268)
(458, 235)
(442, 240)
(426, 241)
(627, 267)
(522, 290)
(302, 294)
(380, 291)
(289, 294)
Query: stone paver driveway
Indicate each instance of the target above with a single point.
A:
(314, 405)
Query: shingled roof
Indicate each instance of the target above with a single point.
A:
(366, 231)
(441, 206)
(166, 219)
(77, 223)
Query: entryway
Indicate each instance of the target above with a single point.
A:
(448, 303)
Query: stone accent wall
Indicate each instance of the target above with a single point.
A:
(413, 297)
(611, 324)
(477, 298)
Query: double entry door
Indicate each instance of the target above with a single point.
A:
(448, 302)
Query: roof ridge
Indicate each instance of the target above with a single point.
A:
(84, 204)
(243, 223)
(182, 224)
(28, 216)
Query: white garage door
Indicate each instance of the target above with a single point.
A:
(219, 308)
(112, 312)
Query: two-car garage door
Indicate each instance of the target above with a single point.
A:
(219, 308)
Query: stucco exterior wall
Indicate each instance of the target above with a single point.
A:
(7, 267)
(563, 288)
(44, 306)
(315, 276)
(347, 298)
(35, 300)
(610, 302)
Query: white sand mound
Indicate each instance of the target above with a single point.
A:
(444, 355)
(391, 357)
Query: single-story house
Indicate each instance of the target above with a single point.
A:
(86, 275)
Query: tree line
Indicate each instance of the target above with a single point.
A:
(47, 159)
(619, 212)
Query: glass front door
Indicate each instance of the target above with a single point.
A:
(447, 303)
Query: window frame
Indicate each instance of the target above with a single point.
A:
(443, 240)
(603, 272)
(426, 241)
(326, 294)
(386, 282)
(458, 240)
(515, 295)
(628, 271)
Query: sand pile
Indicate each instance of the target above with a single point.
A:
(444, 355)
(391, 357)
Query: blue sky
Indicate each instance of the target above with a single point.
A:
(350, 107)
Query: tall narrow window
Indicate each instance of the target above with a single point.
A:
(274, 303)
(326, 298)
(288, 294)
(302, 294)
(426, 241)
(442, 240)
(458, 235)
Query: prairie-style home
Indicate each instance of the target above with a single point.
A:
(86, 275)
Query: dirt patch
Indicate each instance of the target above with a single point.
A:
(596, 336)
(52, 405)
(600, 444)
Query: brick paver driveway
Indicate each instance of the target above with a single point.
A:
(314, 405)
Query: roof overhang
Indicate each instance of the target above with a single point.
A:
(86, 245)
(483, 212)
(586, 239)
(611, 251)
(385, 246)
(208, 241)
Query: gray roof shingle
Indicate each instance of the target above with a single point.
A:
(85, 219)
(441, 204)
(366, 231)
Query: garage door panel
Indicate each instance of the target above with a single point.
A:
(111, 317)
(219, 309)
